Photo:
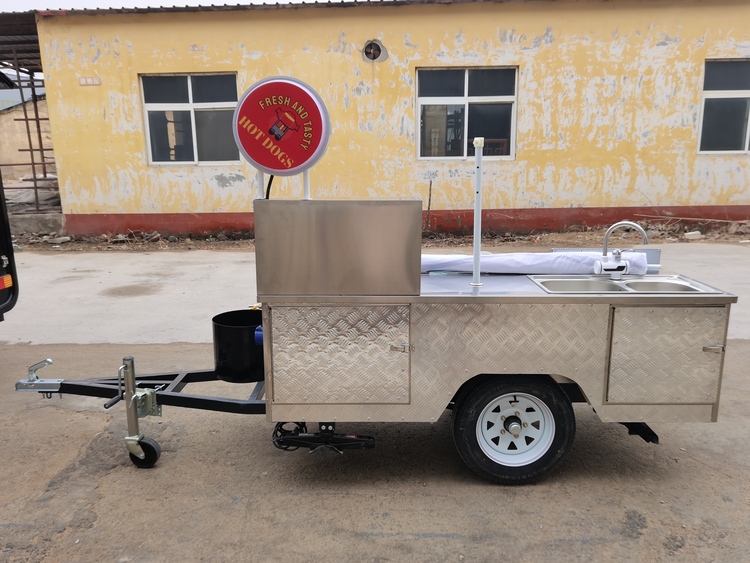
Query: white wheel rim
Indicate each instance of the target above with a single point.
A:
(503, 416)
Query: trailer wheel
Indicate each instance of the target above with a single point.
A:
(513, 429)
(152, 450)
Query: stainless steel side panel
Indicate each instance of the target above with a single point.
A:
(337, 248)
(340, 355)
(335, 362)
(658, 354)
(455, 342)
(657, 413)
(452, 343)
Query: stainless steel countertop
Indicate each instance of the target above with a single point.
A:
(458, 285)
(456, 288)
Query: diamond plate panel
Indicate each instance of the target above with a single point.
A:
(340, 355)
(454, 342)
(649, 342)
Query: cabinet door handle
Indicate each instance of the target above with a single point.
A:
(402, 348)
(717, 349)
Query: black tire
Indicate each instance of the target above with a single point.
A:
(487, 415)
(152, 450)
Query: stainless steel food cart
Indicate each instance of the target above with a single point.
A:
(354, 329)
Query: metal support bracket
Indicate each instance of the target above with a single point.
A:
(145, 403)
(134, 447)
(643, 430)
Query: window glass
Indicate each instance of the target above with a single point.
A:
(214, 88)
(441, 83)
(493, 122)
(492, 82)
(727, 75)
(726, 106)
(725, 124)
(189, 117)
(442, 130)
(165, 89)
(214, 135)
(481, 105)
(171, 136)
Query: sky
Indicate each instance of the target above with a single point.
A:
(27, 5)
(40, 5)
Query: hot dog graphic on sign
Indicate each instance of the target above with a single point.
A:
(281, 126)
(284, 123)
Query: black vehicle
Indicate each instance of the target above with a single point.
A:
(8, 278)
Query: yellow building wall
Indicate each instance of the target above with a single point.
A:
(608, 107)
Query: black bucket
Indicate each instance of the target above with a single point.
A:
(237, 357)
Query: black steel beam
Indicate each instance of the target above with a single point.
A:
(218, 404)
(172, 395)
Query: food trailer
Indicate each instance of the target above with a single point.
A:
(354, 325)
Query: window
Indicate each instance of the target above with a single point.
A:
(456, 105)
(189, 117)
(726, 107)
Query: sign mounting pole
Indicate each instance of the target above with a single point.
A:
(478, 150)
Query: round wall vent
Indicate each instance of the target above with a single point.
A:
(374, 51)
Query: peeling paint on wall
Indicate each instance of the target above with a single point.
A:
(608, 105)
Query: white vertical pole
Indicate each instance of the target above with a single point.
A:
(478, 150)
(306, 182)
(261, 195)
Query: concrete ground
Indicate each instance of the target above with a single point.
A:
(222, 492)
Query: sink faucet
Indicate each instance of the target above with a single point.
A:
(621, 224)
(616, 267)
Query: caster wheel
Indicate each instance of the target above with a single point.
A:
(152, 450)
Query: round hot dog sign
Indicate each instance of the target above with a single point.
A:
(281, 126)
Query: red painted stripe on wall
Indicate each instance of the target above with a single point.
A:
(165, 223)
(518, 221)
(545, 220)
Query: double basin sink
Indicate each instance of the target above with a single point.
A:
(628, 284)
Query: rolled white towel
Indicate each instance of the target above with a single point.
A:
(529, 262)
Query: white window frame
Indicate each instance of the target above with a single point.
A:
(191, 107)
(722, 94)
(466, 100)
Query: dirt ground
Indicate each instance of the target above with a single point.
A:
(222, 492)
(574, 237)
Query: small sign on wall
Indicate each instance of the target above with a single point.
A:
(90, 81)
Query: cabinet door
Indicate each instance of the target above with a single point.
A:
(669, 355)
(340, 355)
